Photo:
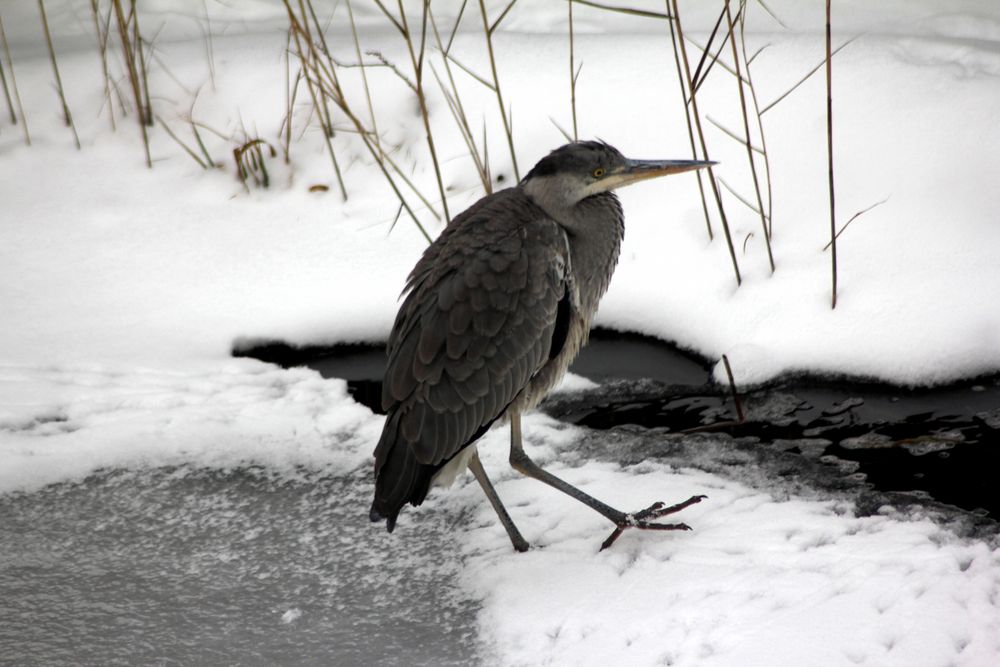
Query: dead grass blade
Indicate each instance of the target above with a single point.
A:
(102, 46)
(128, 54)
(829, 146)
(250, 163)
(417, 60)
(743, 200)
(209, 47)
(746, 130)
(732, 386)
(13, 83)
(496, 87)
(852, 218)
(690, 126)
(731, 134)
(364, 75)
(760, 121)
(573, 73)
(67, 116)
(624, 10)
(187, 149)
(454, 100)
(318, 100)
(807, 76)
(324, 74)
(704, 147)
(147, 108)
(6, 94)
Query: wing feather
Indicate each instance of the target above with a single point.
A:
(476, 324)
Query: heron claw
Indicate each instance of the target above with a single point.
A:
(644, 519)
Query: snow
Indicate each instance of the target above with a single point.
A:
(757, 582)
(123, 289)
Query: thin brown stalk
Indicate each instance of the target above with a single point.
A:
(67, 116)
(187, 149)
(716, 60)
(147, 107)
(290, 91)
(458, 21)
(391, 18)
(704, 147)
(385, 62)
(623, 10)
(756, 53)
(853, 217)
(318, 102)
(417, 60)
(496, 85)
(743, 200)
(732, 386)
(746, 130)
(133, 75)
(471, 73)
(690, 126)
(102, 47)
(209, 47)
(387, 158)
(166, 69)
(562, 130)
(829, 148)
(250, 162)
(458, 111)
(806, 77)
(503, 15)
(13, 84)
(6, 94)
(486, 156)
(772, 14)
(698, 77)
(760, 121)
(572, 72)
(201, 144)
(323, 109)
(731, 134)
(364, 76)
(336, 95)
(331, 86)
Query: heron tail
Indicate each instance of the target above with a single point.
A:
(399, 477)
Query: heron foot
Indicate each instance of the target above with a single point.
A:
(644, 519)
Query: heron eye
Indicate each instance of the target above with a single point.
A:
(598, 172)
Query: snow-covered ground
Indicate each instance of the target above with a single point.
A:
(123, 289)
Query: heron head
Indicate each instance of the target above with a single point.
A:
(582, 169)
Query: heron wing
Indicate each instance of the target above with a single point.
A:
(478, 321)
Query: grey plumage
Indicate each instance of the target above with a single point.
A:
(495, 310)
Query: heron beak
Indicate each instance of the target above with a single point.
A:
(640, 170)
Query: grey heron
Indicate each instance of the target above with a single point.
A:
(495, 310)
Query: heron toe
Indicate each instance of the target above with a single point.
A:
(645, 519)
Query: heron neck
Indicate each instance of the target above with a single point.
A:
(594, 247)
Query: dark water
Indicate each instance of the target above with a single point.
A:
(201, 567)
(941, 443)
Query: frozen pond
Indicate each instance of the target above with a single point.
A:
(184, 567)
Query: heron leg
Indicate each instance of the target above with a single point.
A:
(476, 466)
(643, 519)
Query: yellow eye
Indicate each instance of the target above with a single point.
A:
(598, 172)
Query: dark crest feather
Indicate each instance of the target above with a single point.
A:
(579, 155)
